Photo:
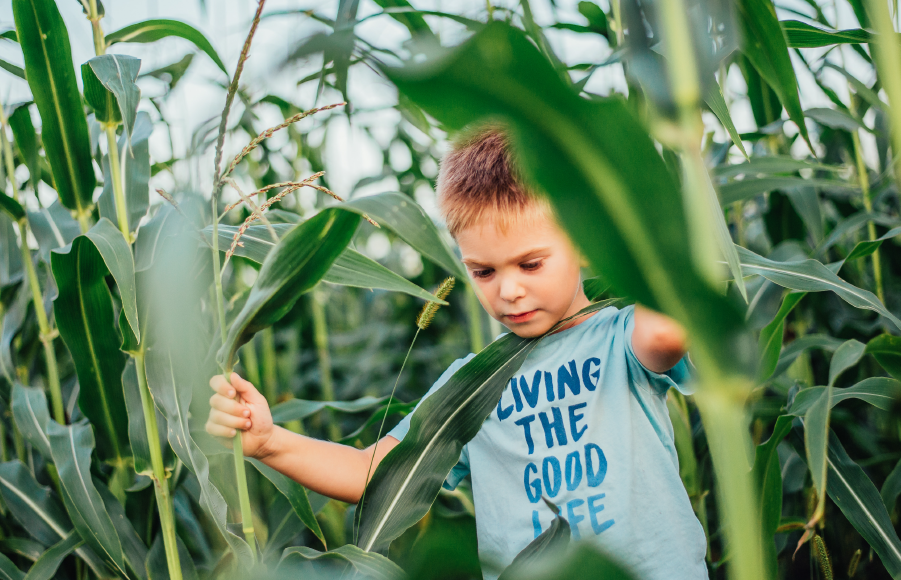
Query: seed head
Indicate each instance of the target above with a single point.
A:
(855, 560)
(823, 557)
(428, 311)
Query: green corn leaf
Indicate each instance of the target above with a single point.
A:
(619, 204)
(53, 227)
(845, 357)
(763, 43)
(881, 392)
(71, 447)
(816, 439)
(862, 90)
(351, 268)
(717, 103)
(795, 348)
(836, 119)
(551, 544)
(812, 276)
(860, 502)
(403, 216)
(135, 171)
(768, 476)
(852, 224)
(13, 318)
(284, 526)
(177, 351)
(770, 165)
(408, 479)
(394, 408)
(297, 409)
(867, 247)
(296, 494)
(13, 69)
(583, 561)
(770, 341)
(749, 188)
(366, 564)
(29, 407)
(137, 430)
(26, 140)
(46, 566)
(133, 547)
(8, 570)
(110, 89)
(11, 267)
(886, 349)
(412, 20)
(891, 488)
(51, 76)
(153, 30)
(84, 315)
(152, 235)
(24, 547)
(296, 264)
(158, 567)
(11, 208)
(802, 35)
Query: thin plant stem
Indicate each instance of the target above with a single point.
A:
(116, 178)
(887, 55)
(237, 446)
(270, 372)
(359, 514)
(47, 333)
(160, 480)
(99, 41)
(320, 338)
(476, 340)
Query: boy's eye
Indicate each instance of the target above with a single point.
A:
(484, 273)
(531, 266)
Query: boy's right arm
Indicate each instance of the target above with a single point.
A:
(335, 470)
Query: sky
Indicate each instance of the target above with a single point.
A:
(350, 153)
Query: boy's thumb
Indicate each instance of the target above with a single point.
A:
(244, 388)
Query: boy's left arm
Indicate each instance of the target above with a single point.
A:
(658, 341)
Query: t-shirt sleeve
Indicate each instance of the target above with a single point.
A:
(461, 469)
(679, 376)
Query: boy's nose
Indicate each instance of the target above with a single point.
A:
(510, 289)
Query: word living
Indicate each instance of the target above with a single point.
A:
(586, 465)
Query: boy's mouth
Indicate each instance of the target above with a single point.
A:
(521, 317)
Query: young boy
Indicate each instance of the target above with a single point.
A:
(583, 422)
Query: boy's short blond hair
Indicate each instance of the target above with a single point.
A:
(478, 180)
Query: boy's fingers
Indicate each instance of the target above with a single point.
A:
(219, 431)
(222, 386)
(246, 389)
(230, 406)
(221, 418)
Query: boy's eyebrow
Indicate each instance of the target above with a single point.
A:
(519, 258)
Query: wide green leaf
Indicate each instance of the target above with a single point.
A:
(29, 407)
(816, 439)
(886, 349)
(296, 494)
(84, 315)
(585, 560)
(11, 267)
(413, 21)
(8, 570)
(881, 392)
(25, 547)
(812, 276)
(768, 476)
(802, 35)
(26, 141)
(13, 318)
(798, 346)
(157, 566)
(763, 43)
(550, 544)
(71, 447)
(39, 511)
(770, 341)
(717, 103)
(860, 502)
(366, 564)
(53, 227)
(12, 208)
(133, 547)
(51, 76)
(770, 165)
(153, 30)
(110, 89)
(297, 409)
(851, 224)
(296, 264)
(845, 357)
(135, 172)
(46, 566)
(403, 216)
(408, 479)
(607, 182)
(137, 429)
(867, 247)
(351, 268)
(748, 188)
(891, 488)
(13, 69)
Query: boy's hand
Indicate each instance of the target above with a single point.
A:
(240, 406)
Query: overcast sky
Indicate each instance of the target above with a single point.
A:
(351, 154)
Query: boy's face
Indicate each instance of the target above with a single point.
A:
(529, 275)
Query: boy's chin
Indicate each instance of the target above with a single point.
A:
(532, 329)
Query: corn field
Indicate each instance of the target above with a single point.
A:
(124, 285)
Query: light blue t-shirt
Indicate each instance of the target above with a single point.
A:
(585, 424)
